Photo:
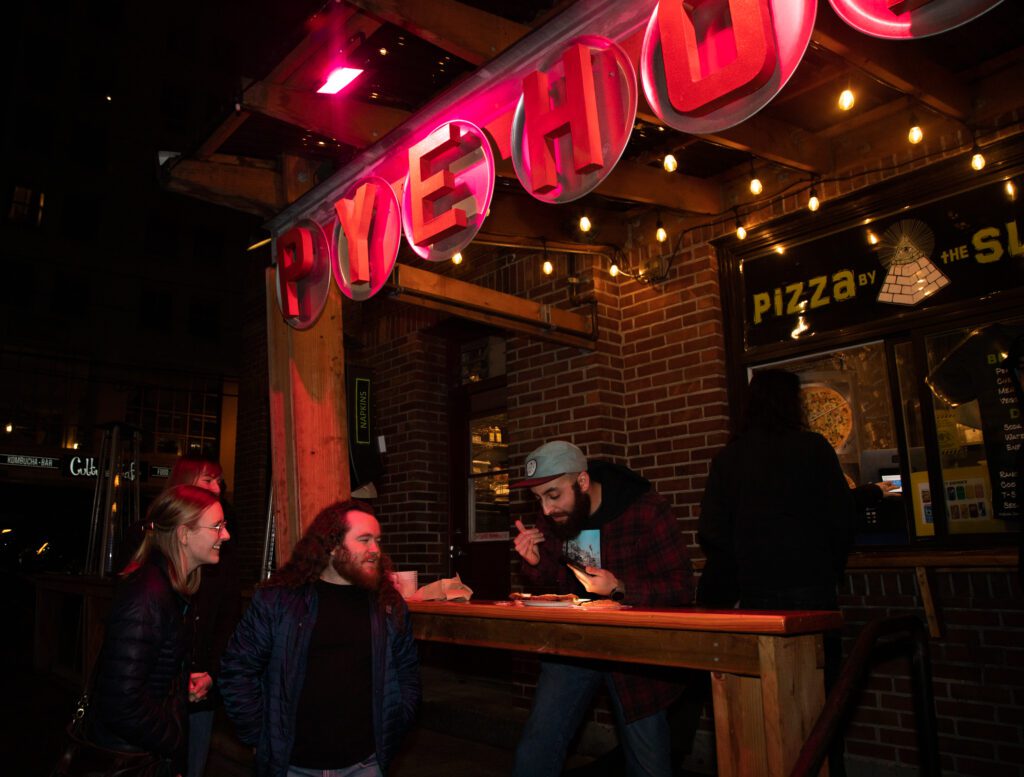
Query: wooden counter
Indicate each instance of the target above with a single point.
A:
(766, 667)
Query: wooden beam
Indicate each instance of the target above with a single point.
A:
(468, 33)
(439, 292)
(308, 423)
(352, 122)
(928, 82)
(247, 185)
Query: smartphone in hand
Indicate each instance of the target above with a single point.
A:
(576, 566)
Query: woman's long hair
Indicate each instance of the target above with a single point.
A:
(312, 553)
(773, 403)
(176, 506)
(187, 470)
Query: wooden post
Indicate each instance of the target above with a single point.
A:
(308, 426)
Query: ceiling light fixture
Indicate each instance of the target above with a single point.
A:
(338, 79)
(670, 163)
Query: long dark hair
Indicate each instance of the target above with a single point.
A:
(188, 470)
(312, 553)
(773, 403)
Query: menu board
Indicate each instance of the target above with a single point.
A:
(986, 366)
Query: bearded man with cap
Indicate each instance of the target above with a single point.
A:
(609, 519)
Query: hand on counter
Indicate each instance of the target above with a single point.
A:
(597, 581)
(526, 543)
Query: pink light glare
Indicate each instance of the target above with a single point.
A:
(338, 79)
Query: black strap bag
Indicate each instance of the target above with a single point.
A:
(82, 758)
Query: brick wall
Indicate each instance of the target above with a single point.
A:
(977, 670)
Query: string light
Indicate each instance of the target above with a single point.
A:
(659, 233)
(813, 203)
(670, 164)
(872, 238)
(613, 270)
(846, 99)
(585, 224)
(457, 257)
(547, 267)
(977, 158)
(915, 134)
(1011, 190)
(755, 183)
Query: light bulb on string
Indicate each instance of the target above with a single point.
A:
(846, 99)
(547, 267)
(585, 224)
(457, 257)
(670, 163)
(813, 203)
(613, 270)
(1011, 190)
(977, 158)
(914, 133)
(659, 233)
(755, 183)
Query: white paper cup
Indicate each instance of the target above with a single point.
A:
(406, 582)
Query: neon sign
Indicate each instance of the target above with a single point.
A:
(564, 120)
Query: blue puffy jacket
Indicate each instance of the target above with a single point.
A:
(264, 667)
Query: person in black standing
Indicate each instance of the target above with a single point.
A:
(777, 516)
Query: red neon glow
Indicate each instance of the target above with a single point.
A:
(429, 186)
(710, 58)
(366, 238)
(294, 262)
(576, 115)
(906, 19)
(303, 273)
(339, 79)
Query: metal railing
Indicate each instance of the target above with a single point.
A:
(910, 639)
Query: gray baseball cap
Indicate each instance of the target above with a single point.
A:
(549, 461)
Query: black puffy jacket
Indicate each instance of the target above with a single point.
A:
(140, 696)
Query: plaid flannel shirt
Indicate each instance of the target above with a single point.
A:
(644, 548)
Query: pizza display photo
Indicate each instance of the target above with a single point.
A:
(828, 413)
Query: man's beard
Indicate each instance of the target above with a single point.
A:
(346, 565)
(573, 525)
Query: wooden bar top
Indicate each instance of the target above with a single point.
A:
(777, 623)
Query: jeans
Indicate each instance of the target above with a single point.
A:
(564, 693)
(368, 768)
(200, 727)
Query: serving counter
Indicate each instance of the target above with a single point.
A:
(766, 667)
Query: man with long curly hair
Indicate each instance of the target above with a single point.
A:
(321, 676)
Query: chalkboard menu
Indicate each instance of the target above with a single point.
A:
(987, 366)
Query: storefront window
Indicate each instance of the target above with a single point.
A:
(848, 400)
(974, 381)
(488, 479)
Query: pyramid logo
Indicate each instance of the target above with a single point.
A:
(904, 250)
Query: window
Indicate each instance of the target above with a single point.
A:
(488, 492)
(178, 421)
(27, 206)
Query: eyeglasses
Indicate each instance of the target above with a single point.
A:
(217, 527)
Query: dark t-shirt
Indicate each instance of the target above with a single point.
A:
(334, 724)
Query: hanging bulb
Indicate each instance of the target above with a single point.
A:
(741, 232)
(846, 99)
(613, 270)
(1008, 187)
(457, 257)
(872, 238)
(755, 186)
(813, 203)
(914, 134)
(547, 267)
(977, 158)
(659, 233)
(585, 225)
(670, 164)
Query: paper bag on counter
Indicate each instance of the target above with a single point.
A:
(450, 589)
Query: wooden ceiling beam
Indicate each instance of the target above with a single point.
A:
(468, 33)
(247, 185)
(926, 81)
(354, 123)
